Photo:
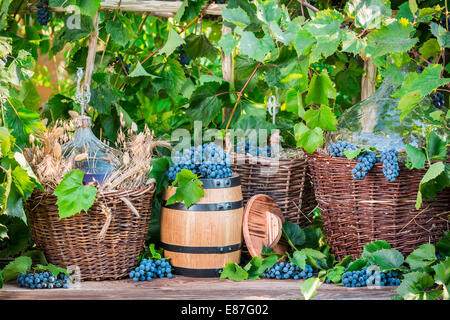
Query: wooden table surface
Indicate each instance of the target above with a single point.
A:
(194, 289)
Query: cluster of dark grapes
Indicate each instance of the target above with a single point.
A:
(390, 164)
(366, 160)
(43, 12)
(337, 149)
(288, 270)
(349, 57)
(123, 66)
(250, 147)
(5, 59)
(184, 58)
(437, 99)
(367, 278)
(149, 269)
(425, 64)
(209, 161)
(43, 280)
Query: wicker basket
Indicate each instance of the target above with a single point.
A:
(357, 212)
(101, 251)
(285, 180)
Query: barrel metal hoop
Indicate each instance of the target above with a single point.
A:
(221, 183)
(221, 206)
(196, 273)
(201, 250)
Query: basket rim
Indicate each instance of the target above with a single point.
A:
(118, 193)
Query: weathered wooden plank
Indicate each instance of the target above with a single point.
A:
(159, 8)
(194, 289)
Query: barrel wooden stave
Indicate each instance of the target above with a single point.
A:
(186, 234)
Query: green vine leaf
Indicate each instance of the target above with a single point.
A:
(55, 270)
(309, 288)
(173, 42)
(423, 256)
(73, 196)
(188, 188)
(391, 38)
(16, 267)
(233, 272)
(416, 157)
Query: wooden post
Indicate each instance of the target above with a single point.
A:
(368, 81)
(227, 72)
(92, 51)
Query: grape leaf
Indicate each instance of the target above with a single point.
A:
(391, 38)
(368, 14)
(256, 48)
(357, 265)
(139, 71)
(22, 182)
(233, 272)
(204, 105)
(89, 7)
(189, 189)
(171, 76)
(173, 42)
(435, 179)
(374, 246)
(309, 288)
(325, 29)
(414, 284)
(320, 90)
(436, 147)
(119, 31)
(416, 157)
(158, 172)
(335, 274)
(430, 48)
(303, 41)
(18, 233)
(299, 259)
(73, 196)
(443, 245)
(55, 270)
(442, 275)
(323, 118)
(423, 256)
(228, 43)
(442, 35)
(308, 139)
(350, 43)
(199, 46)
(293, 234)
(387, 259)
(237, 16)
(257, 266)
(16, 267)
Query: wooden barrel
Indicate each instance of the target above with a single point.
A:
(201, 240)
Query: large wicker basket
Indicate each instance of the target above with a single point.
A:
(286, 180)
(103, 246)
(357, 212)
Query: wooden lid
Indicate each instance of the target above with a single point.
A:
(262, 225)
